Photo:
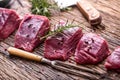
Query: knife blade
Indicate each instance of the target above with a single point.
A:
(65, 3)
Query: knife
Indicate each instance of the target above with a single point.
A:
(89, 12)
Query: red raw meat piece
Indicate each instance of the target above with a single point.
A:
(91, 49)
(30, 30)
(113, 61)
(62, 45)
(9, 21)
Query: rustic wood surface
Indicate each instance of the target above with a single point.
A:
(14, 68)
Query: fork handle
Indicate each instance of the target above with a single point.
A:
(24, 54)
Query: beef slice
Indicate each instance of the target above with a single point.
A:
(9, 21)
(91, 49)
(113, 61)
(62, 45)
(31, 29)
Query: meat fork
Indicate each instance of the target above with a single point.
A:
(62, 66)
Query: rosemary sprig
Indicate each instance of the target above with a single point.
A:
(40, 7)
(60, 29)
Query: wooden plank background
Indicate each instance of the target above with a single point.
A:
(14, 68)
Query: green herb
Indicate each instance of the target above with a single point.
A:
(66, 9)
(41, 7)
(60, 29)
(45, 7)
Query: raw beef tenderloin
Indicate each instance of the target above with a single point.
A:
(91, 49)
(30, 30)
(113, 61)
(9, 21)
(62, 45)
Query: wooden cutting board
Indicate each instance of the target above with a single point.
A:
(15, 68)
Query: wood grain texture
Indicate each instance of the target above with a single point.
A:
(14, 68)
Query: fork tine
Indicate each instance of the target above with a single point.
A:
(75, 72)
(76, 67)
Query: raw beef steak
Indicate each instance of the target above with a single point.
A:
(61, 46)
(113, 61)
(9, 21)
(30, 30)
(91, 49)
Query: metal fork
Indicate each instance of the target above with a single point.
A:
(59, 65)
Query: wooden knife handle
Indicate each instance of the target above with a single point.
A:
(92, 15)
(24, 54)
